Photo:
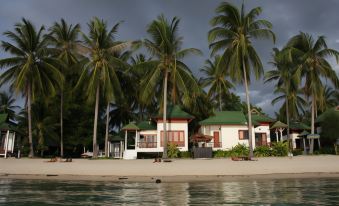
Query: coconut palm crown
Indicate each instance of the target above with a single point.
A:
(31, 71)
(232, 34)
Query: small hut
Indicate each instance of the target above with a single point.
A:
(279, 127)
(7, 136)
(116, 145)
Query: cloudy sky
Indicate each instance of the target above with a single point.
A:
(288, 17)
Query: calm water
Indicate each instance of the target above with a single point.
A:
(261, 192)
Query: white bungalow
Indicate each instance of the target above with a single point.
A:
(229, 128)
(147, 136)
(7, 137)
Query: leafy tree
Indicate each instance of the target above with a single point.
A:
(31, 70)
(232, 33)
(165, 46)
(313, 66)
(7, 105)
(216, 80)
(64, 37)
(99, 68)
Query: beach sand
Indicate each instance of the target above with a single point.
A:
(179, 170)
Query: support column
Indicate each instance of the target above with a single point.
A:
(6, 143)
(319, 143)
(305, 152)
(125, 140)
(136, 139)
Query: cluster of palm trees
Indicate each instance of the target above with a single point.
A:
(63, 72)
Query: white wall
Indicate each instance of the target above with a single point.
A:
(181, 126)
(229, 134)
(264, 129)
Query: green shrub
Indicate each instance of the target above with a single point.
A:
(219, 153)
(280, 149)
(325, 150)
(239, 150)
(186, 154)
(297, 152)
(172, 151)
(262, 151)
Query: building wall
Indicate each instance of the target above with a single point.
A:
(173, 126)
(229, 134)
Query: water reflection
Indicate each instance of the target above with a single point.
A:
(254, 192)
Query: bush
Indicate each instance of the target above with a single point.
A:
(186, 154)
(239, 150)
(325, 150)
(262, 151)
(172, 151)
(280, 149)
(297, 152)
(219, 153)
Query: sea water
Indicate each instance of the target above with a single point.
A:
(250, 192)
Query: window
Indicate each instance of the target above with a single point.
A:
(148, 141)
(243, 134)
(175, 137)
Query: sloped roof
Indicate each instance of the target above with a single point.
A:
(261, 118)
(130, 126)
(278, 124)
(226, 117)
(175, 112)
(304, 133)
(147, 125)
(299, 125)
(322, 117)
(115, 138)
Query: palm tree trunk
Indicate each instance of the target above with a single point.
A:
(220, 98)
(248, 111)
(164, 154)
(106, 134)
(312, 124)
(61, 124)
(95, 152)
(290, 143)
(30, 139)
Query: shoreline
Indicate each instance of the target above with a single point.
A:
(180, 170)
(170, 179)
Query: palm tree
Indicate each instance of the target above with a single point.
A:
(31, 70)
(216, 80)
(99, 68)
(64, 37)
(313, 66)
(293, 100)
(287, 83)
(232, 34)
(165, 46)
(7, 105)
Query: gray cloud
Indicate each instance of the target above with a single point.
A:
(288, 17)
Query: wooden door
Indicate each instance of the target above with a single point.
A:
(216, 139)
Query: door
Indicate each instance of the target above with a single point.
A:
(216, 139)
(116, 151)
(260, 139)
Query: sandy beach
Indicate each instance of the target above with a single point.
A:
(178, 170)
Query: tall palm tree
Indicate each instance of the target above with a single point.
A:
(287, 82)
(65, 38)
(313, 66)
(99, 75)
(7, 105)
(216, 80)
(31, 70)
(165, 46)
(232, 33)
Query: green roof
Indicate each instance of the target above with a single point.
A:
(226, 117)
(278, 124)
(304, 133)
(261, 118)
(115, 138)
(130, 126)
(299, 125)
(147, 125)
(175, 112)
(323, 116)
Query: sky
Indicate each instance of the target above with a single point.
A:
(289, 17)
